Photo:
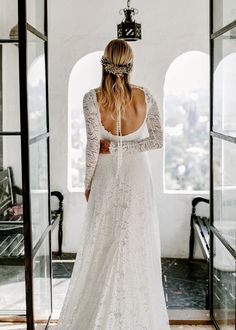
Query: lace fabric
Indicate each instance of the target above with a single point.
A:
(116, 282)
(93, 124)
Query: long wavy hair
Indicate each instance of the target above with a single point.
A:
(115, 91)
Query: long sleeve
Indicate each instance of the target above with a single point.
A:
(93, 138)
(155, 138)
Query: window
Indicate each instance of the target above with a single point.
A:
(186, 118)
(86, 74)
(36, 93)
(224, 84)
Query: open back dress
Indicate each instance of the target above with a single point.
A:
(116, 283)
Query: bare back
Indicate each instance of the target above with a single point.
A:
(135, 114)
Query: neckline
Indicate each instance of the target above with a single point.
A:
(114, 135)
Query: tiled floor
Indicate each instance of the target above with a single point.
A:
(185, 284)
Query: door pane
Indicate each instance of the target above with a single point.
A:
(12, 280)
(9, 88)
(224, 158)
(35, 14)
(39, 188)
(8, 17)
(223, 286)
(10, 158)
(224, 84)
(224, 13)
(11, 231)
(42, 282)
(36, 86)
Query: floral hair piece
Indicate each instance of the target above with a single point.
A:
(116, 69)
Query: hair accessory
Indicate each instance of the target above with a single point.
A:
(116, 69)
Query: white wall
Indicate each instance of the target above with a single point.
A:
(76, 28)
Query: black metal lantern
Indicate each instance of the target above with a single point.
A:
(128, 29)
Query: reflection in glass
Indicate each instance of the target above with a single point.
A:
(36, 86)
(224, 157)
(12, 280)
(224, 13)
(9, 158)
(35, 14)
(223, 286)
(9, 88)
(224, 84)
(39, 188)
(11, 235)
(42, 288)
(8, 17)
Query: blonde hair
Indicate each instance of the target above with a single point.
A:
(115, 90)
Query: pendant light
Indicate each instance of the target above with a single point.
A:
(128, 29)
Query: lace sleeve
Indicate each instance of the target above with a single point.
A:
(93, 138)
(155, 138)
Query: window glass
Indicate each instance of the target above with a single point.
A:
(224, 13)
(224, 96)
(186, 123)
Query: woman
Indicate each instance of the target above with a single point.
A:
(116, 281)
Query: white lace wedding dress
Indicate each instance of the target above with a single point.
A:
(116, 282)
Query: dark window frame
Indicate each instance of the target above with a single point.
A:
(214, 232)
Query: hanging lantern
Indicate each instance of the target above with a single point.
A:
(128, 29)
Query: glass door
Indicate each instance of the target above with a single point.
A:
(223, 162)
(12, 256)
(25, 217)
(38, 157)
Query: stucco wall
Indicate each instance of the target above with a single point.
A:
(77, 28)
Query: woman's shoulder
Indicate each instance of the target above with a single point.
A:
(146, 91)
(139, 87)
(133, 86)
(89, 96)
(89, 101)
(89, 93)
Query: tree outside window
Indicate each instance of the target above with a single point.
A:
(186, 123)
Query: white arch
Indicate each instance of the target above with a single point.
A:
(86, 74)
(193, 65)
(186, 115)
(36, 71)
(224, 95)
(37, 96)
